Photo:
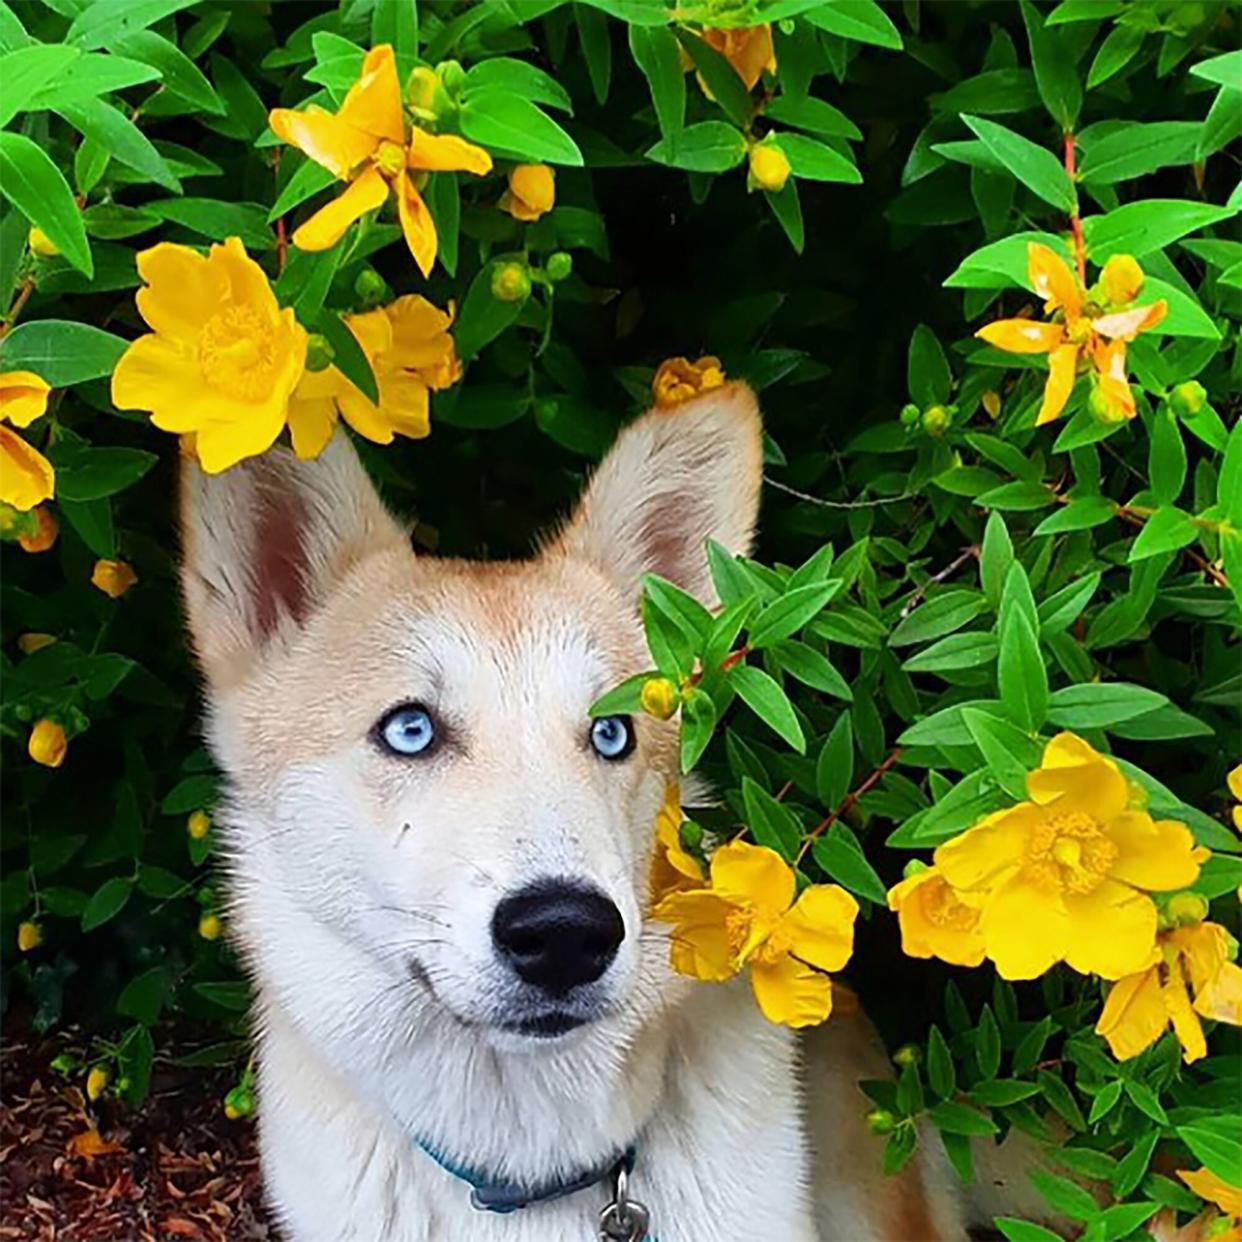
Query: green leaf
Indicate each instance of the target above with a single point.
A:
(815, 116)
(812, 668)
(941, 1072)
(1056, 74)
(180, 75)
(955, 1118)
(483, 317)
(1141, 228)
(787, 208)
(813, 160)
(1009, 752)
(682, 609)
(1021, 674)
(1065, 1196)
(769, 702)
(1133, 1165)
(622, 700)
(785, 616)
(726, 87)
(864, 21)
(1058, 612)
(1082, 513)
(90, 76)
(1035, 167)
(593, 36)
(1146, 1101)
(991, 93)
(1216, 1144)
(1167, 530)
(1002, 1092)
(710, 146)
(106, 902)
(987, 1044)
(957, 651)
(218, 220)
(231, 995)
(36, 187)
(927, 370)
(92, 521)
(142, 997)
(657, 53)
(123, 140)
(61, 351)
(1024, 1230)
(1019, 496)
(1061, 1098)
(348, 356)
(1031, 1045)
(103, 21)
(841, 856)
(1096, 705)
(506, 74)
(698, 724)
(1224, 70)
(1123, 1219)
(93, 473)
(1105, 1101)
(396, 22)
(308, 180)
(1134, 150)
(834, 769)
(512, 125)
(25, 71)
(770, 823)
(941, 615)
(1118, 49)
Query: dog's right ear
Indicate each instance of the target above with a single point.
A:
(265, 541)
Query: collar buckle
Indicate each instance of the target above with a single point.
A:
(624, 1219)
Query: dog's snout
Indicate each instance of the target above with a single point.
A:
(557, 935)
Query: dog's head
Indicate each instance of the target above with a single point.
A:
(427, 826)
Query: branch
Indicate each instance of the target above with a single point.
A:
(847, 804)
(836, 504)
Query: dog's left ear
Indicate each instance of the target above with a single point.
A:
(674, 479)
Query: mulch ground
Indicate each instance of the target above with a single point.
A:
(71, 1171)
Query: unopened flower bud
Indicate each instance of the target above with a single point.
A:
(64, 1063)
(914, 867)
(209, 927)
(559, 266)
(1186, 909)
(881, 1121)
(96, 1081)
(370, 288)
(47, 744)
(198, 825)
(28, 644)
(769, 167)
(991, 403)
(936, 420)
(510, 282)
(29, 936)
(238, 1103)
(659, 697)
(908, 1054)
(452, 75)
(1188, 398)
(423, 91)
(910, 414)
(113, 578)
(691, 834)
(1121, 279)
(43, 536)
(41, 243)
(319, 352)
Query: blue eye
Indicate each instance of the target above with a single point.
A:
(407, 730)
(612, 737)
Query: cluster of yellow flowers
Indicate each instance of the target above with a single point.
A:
(1091, 326)
(26, 476)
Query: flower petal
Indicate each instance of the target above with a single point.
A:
(1208, 1186)
(1078, 778)
(23, 397)
(1052, 279)
(404, 403)
(1023, 336)
(1134, 1016)
(1009, 916)
(699, 943)
(790, 993)
(1109, 360)
(753, 876)
(1127, 324)
(220, 445)
(1112, 930)
(327, 139)
(1234, 781)
(327, 226)
(446, 153)
(820, 926)
(417, 225)
(311, 423)
(934, 921)
(26, 476)
(1062, 363)
(981, 855)
(155, 374)
(182, 290)
(1186, 1024)
(1155, 855)
(373, 104)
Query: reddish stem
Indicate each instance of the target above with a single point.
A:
(1080, 246)
(282, 245)
(27, 288)
(847, 803)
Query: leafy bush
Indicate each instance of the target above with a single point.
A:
(992, 518)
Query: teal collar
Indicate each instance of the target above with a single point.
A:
(490, 1195)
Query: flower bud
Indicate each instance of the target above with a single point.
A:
(769, 167)
(914, 867)
(113, 578)
(510, 282)
(96, 1081)
(936, 420)
(1186, 909)
(198, 825)
(41, 243)
(559, 266)
(691, 834)
(910, 414)
(452, 75)
(881, 1121)
(319, 352)
(991, 404)
(659, 697)
(209, 927)
(424, 92)
(370, 288)
(29, 936)
(28, 644)
(47, 744)
(64, 1063)
(1121, 279)
(1188, 398)
(46, 528)
(908, 1054)
(239, 1103)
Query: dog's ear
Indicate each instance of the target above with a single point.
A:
(674, 479)
(265, 541)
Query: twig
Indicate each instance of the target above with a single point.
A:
(847, 804)
(27, 288)
(836, 504)
(1080, 247)
(948, 571)
(1200, 562)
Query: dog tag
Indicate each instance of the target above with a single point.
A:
(624, 1219)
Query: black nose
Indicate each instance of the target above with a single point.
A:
(555, 935)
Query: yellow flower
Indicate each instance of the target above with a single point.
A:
(44, 535)
(679, 379)
(1235, 788)
(28, 644)
(673, 867)
(531, 192)
(29, 936)
(96, 1081)
(749, 50)
(1121, 279)
(935, 921)
(659, 697)
(26, 476)
(209, 927)
(41, 243)
(410, 351)
(1142, 1006)
(769, 167)
(198, 825)
(1215, 1189)
(1081, 330)
(113, 578)
(366, 144)
(748, 917)
(221, 358)
(1066, 875)
(47, 744)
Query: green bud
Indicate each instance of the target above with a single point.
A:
(510, 282)
(1186, 909)
(691, 834)
(370, 288)
(24, 713)
(936, 420)
(559, 266)
(65, 1063)
(910, 414)
(122, 1085)
(1188, 398)
(881, 1121)
(319, 352)
(914, 867)
(908, 1054)
(452, 75)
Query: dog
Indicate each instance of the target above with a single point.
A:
(438, 871)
